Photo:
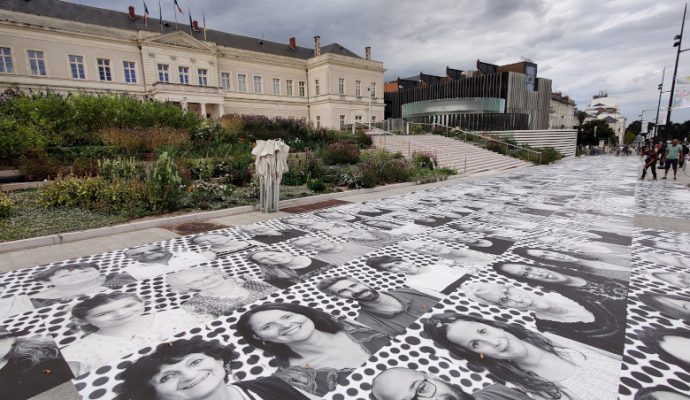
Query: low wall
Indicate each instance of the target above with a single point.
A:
(563, 140)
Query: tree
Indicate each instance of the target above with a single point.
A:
(634, 129)
(585, 135)
(581, 115)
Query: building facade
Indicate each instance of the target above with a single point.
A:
(70, 48)
(491, 98)
(606, 108)
(562, 112)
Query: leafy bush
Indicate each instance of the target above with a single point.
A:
(549, 155)
(6, 205)
(380, 167)
(204, 169)
(203, 194)
(126, 169)
(340, 153)
(423, 160)
(144, 140)
(72, 120)
(350, 177)
(363, 140)
(94, 194)
(317, 185)
(37, 165)
(17, 138)
(165, 191)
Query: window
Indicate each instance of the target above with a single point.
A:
(358, 118)
(276, 86)
(317, 88)
(341, 86)
(241, 82)
(6, 60)
(104, 72)
(301, 89)
(203, 77)
(225, 81)
(288, 87)
(257, 85)
(373, 90)
(342, 121)
(76, 66)
(358, 88)
(130, 72)
(163, 75)
(318, 122)
(36, 62)
(373, 118)
(184, 75)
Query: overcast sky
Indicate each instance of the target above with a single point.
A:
(583, 46)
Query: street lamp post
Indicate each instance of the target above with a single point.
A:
(678, 41)
(658, 106)
(369, 111)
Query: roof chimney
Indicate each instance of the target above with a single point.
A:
(132, 14)
(195, 26)
(293, 43)
(367, 53)
(317, 46)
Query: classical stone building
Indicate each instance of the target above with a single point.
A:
(66, 47)
(606, 108)
(562, 112)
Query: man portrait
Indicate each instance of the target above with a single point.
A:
(153, 260)
(328, 251)
(389, 312)
(269, 235)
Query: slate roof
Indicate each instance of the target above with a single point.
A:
(120, 20)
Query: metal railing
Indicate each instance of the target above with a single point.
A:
(433, 151)
(485, 142)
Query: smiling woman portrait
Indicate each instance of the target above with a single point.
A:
(115, 324)
(530, 361)
(195, 369)
(314, 351)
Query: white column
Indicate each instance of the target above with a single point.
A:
(221, 110)
(203, 110)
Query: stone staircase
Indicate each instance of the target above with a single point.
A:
(463, 157)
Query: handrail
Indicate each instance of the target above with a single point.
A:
(483, 137)
(409, 141)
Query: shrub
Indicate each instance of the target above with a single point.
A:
(17, 138)
(126, 169)
(203, 194)
(549, 155)
(341, 153)
(94, 194)
(350, 177)
(380, 167)
(316, 185)
(205, 169)
(37, 165)
(144, 140)
(164, 185)
(6, 205)
(363, 140)
(423, 160)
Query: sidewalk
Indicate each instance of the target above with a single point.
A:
(44, 254)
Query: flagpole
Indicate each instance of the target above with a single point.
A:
(175, 12)
(189, 12)
(160, 16)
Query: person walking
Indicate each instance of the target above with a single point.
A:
(671, 155)
(651, 160)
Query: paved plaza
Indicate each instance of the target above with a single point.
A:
(550, 282)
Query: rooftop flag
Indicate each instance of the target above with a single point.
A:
(146, 15)
(203, 15)
(191, 23)
(178, 7)
(160, 15)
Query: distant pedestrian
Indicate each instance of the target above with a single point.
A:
(650, 161)
(686, 151)
(671, 155)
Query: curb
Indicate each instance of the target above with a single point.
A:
(67, 237)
